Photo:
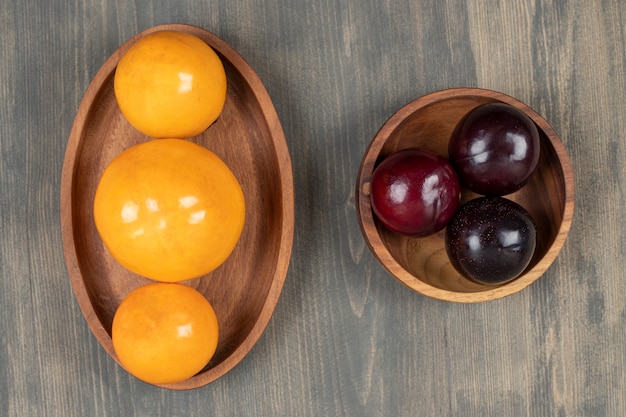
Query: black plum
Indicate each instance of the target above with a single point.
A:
(491, 240)
(495, 149)
(415, 192)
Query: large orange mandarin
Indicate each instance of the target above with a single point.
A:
(170, 85)
(169, 209)
(164, 333)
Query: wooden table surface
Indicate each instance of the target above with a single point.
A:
(346, 338)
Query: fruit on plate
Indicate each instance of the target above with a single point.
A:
(170, 85)
(414, 192)
(490, 240)
(495, 149)
(169, 209)
(164, 333)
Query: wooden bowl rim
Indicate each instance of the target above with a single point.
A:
(386, 259)
(283, 158)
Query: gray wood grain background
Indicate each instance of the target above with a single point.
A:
(346, 338)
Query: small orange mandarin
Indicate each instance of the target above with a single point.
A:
(164, 333)
(169, 210)
(170, 85)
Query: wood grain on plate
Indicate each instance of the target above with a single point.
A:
(422, 263)
(249, 138)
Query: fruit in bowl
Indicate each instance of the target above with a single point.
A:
(495, 149)
(491, 240)
(415, 192)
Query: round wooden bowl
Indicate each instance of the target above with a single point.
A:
(248, 136)
(422, 263)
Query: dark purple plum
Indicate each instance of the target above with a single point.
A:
(494, 149)
(490, 240)
(415, 192)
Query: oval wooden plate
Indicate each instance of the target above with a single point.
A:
(248, 136)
